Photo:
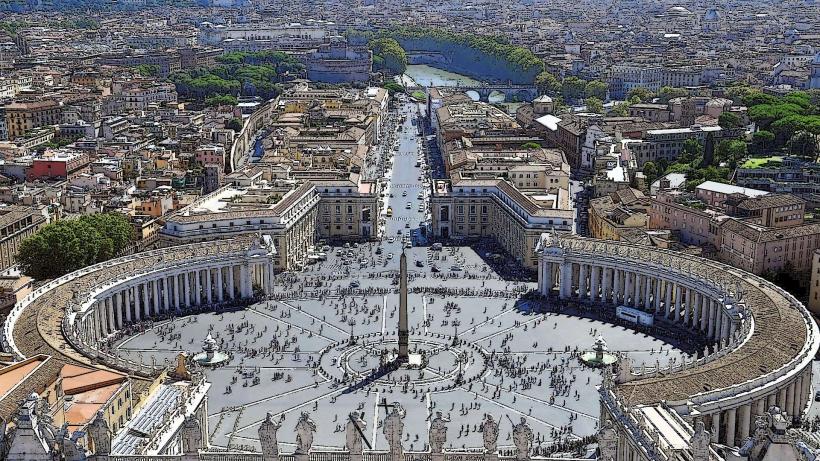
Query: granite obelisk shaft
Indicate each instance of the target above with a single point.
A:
(404, 333)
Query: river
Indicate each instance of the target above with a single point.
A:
(427, 76)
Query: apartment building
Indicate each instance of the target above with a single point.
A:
(814, 283)
(22, 117)
(16, 223)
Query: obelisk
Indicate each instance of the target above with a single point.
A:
(404, 334)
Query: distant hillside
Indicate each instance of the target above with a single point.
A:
(22, 6)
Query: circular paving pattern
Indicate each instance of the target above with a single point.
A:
(437, 363)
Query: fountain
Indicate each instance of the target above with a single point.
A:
(599, 356)
(210, 356)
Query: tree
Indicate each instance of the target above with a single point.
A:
(730, 152)
(221, 100)
(66, 246)
(234, 124)
(667, 93)
(762, 141)
(620, 109)
(530, 145)
(596, 89)
(691, 150)
(729, 120)
(803, 144)
(572, 88)
(651, 172)
(393, 88)
(641, 94)
(547, 83)
(390, 54)
(594, 105)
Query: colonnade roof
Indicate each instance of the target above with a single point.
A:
(38, 330)
(781, 329)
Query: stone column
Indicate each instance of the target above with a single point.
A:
(109, 311)
(209, 294)
(166, 295)
(269, 280)
(677, 303)
(760, 406)
(244, 282)
(219, 285)
(687, 309)
(137, 304)
(657, 298)
(712, 318)
(596, 283)
(582, 282)
(156, 299)
(616, 286)
(146, 299)
(566, 280)
(186, 286)
(731, 421)
(177, 293)
(704, 313)
(197, 287)
(724, 325)
(647, 293)
(790, 399)
(118, 308)
(126, 304)
(231, 274)
(715, 429)
(781, 399)
(745, 421)
(718, 320)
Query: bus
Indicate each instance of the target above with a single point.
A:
(638, 317)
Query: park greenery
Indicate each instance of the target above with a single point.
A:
(65, 246)
(388, 55)
(147, 70)
(393, 87)
(790, 122)
(483, 57)
(239, 73)
(700, 164)
(12, 26)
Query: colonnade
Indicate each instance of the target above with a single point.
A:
(731, 426)
(640, 288)
(171, 291)
(684, 302)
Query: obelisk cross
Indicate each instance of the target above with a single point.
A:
(404, 333)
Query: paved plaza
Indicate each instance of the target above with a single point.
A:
(291, 355)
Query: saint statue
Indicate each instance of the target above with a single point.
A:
(305, 428)
(438, 433)
(353, 433)
(393, 428)
(489, 430)
(267, 437)
(700, 442)
(607, 442)
(100, 435)
(191, 435)
(522, 438)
